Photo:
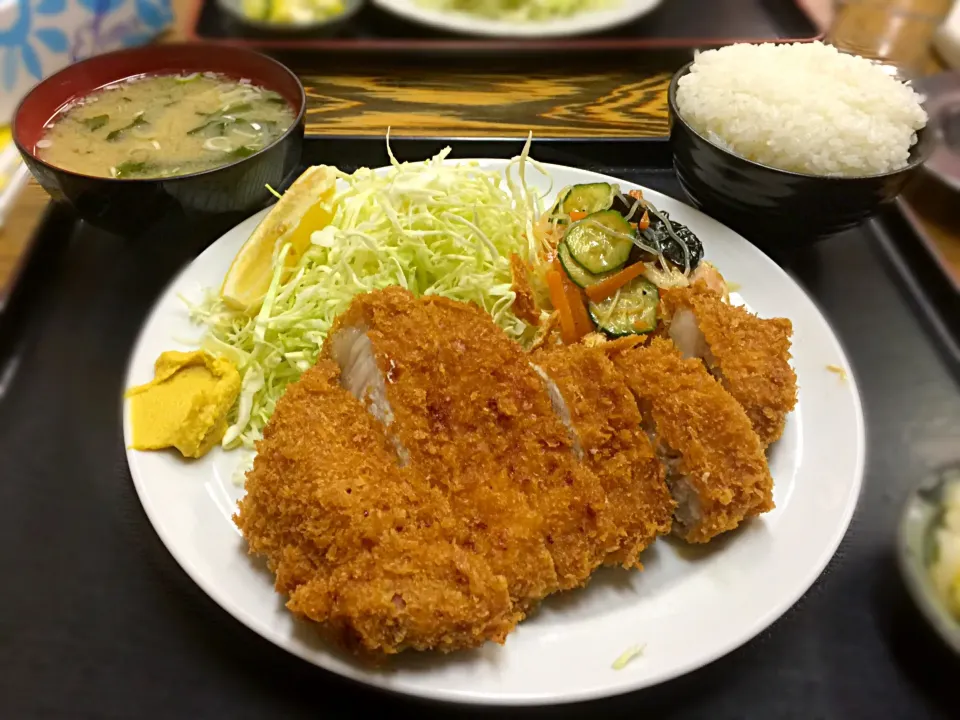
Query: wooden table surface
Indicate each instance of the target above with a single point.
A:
(457, 100)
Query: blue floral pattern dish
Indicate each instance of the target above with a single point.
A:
(38, 37)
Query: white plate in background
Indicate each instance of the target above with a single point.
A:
(584, 23)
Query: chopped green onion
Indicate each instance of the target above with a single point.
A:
(130, 168)
(96, 122)
(118, 133)
(200, 128)
(238, 108)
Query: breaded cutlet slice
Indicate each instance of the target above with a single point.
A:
(600, 412)
(750, 356)
(329, 508)
(387, 340)
(716, 468)
(527, 437)
(413, 591)
(465, 408)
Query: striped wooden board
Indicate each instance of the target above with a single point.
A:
(436, 101)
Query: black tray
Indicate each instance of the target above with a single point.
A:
(927, 280)
(676, 23)
(97, 620)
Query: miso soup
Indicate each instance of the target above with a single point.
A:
(164, 125)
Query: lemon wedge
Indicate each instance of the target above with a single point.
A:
(305, 208)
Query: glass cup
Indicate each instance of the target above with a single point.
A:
(896, 33)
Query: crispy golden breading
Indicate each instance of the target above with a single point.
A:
(523, 435)
(411, 591)
(548, 334)
(524, 304)
(748, 354)
(446, 502)
(717, 470)
(607, 423)
(477, 421)
(350, 535)
(495, 517)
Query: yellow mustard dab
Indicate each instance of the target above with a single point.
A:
(186, 404)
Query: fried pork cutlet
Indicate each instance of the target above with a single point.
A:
(358, 543)
(600, 412)
(716, 468)
(750, 356)
(465, 408)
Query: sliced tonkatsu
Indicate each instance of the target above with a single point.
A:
(715, 464)
(602, 417)
(464, 406)
(358, 543)
(428, 482)
(750, 356)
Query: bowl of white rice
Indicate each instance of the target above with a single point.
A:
(792, 143)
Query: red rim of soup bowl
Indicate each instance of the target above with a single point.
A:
(74, 82)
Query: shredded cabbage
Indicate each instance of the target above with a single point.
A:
(629, 654)
(520, 10)
(433, 228)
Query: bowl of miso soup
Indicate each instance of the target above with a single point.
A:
(129, 138)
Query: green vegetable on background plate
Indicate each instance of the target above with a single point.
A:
(291, 12)
(529, 11)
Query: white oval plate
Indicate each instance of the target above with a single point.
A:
(580, 24)
(687, 608)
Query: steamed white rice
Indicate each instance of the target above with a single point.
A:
(804, 107)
